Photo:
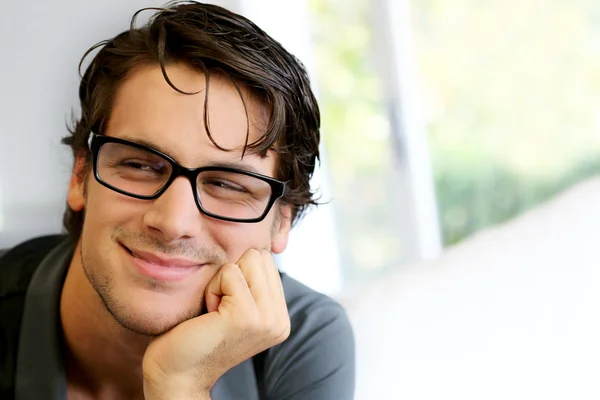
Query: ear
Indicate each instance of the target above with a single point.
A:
(76, 195)
(281, 229)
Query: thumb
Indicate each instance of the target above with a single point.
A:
(228, 282)
(213, 293)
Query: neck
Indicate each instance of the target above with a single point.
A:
(103, 359)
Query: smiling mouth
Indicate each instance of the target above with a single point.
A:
(163, 261)
(134, 255)
(162, 269)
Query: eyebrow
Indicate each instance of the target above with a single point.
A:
(151, 145)
(234, 165)
(220, 164)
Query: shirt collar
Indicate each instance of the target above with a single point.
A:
(40, 360)
(40, 369)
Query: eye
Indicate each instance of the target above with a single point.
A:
(136, 165)
(144, 166)
(225, 185)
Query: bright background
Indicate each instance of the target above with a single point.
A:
(440, 119)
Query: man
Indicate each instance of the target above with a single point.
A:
(192, 158)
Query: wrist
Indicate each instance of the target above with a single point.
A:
(174, 389)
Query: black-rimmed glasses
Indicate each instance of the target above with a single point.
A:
(144, 173)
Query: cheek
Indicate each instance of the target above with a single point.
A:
(236, 239)
(106, 208)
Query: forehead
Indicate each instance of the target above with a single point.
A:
(146, 108)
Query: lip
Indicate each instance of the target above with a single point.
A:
(161, 268)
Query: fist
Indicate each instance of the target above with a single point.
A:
(247, 314)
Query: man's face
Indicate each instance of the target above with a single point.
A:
(146, 109)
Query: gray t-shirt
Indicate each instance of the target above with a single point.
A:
(316, 362)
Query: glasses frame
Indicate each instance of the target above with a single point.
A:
(95, 143)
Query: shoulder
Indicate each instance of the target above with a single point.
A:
(312, 311)
(18, 263)
(317, 360)
(17, 266)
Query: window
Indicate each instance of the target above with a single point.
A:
(512, 98)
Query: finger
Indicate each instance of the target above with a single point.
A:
(274, 278)
(228, 286)
(281, 318)
(252, 266)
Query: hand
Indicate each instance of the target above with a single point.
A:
(247, 314)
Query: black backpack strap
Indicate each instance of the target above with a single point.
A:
(17, 266)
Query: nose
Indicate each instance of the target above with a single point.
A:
(174, 215)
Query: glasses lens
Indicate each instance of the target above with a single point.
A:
(233, 194)
(132, 170)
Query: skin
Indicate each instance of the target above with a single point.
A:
(128, 336)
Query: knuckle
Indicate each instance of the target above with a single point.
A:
(287, 327)
(250, 324)
(283, 333)
(269, 326)
(280, 330)
(229, 268)
(231, 271)
(253, 253)
(265, 253)
(250, 258)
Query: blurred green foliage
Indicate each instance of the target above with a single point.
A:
(511, 94)
(356, 134)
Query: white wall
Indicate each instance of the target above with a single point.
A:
(41, 44)
(289, 23)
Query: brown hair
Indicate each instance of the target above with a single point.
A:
(213, 40)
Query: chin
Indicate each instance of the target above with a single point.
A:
(151, 322)
(144, 306)
(146, 312)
